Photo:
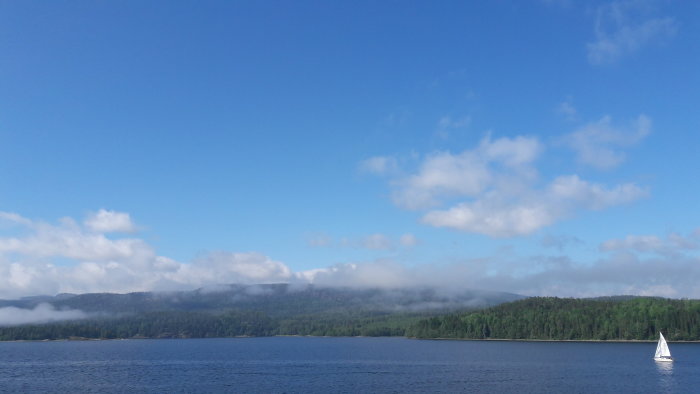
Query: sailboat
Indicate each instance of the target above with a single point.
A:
(662, 351)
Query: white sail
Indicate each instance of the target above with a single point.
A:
(662, 351)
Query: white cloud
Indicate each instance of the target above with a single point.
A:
(229, 267)
(470, 173)
(443, 174)
(14, 218)
(104, 221)
(68, 239)
(498, 216)
(495, 219)
(648, 265)
(43, 258)
(623, 27)
(381, 274)
(495, 189)
(513, 152)
(42, 313)
(599, 144)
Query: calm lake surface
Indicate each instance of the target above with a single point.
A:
(344, 365)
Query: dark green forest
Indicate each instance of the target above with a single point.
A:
(548, 318)
(538, 318)
(188, 324)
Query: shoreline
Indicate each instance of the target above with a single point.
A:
(79, 339)
(552, 340)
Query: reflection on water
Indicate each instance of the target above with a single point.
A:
(664, 367)
(666, 381)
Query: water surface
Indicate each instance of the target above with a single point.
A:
(343, 365)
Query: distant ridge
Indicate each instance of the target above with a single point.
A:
(236, 310)
(276, 299)
(616, 298)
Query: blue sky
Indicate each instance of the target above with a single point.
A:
(543, 147)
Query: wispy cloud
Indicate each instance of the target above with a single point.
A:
(560, 242)
(376, 241)
(409, 240)
(673, 244)
(567, 109)
(623, 27)
(319, 240)
(396, 119)
(14, 218)
(447, 124)
(380, 165)
(599, 144)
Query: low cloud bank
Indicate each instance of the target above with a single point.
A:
(70, 257)
(42, 313)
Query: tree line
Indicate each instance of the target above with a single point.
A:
(551, 318)
(541, 318)
(234, 323)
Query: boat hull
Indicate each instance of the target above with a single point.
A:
(663, 359)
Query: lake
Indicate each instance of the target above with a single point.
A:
(344, 365)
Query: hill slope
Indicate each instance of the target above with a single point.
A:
(275, 299)
(243, 310)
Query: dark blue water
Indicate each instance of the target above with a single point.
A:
(343, 365)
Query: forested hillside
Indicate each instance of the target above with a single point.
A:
(324, 312)
(180, 324)
(278, 300)
(547, 318)
(240, 310)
